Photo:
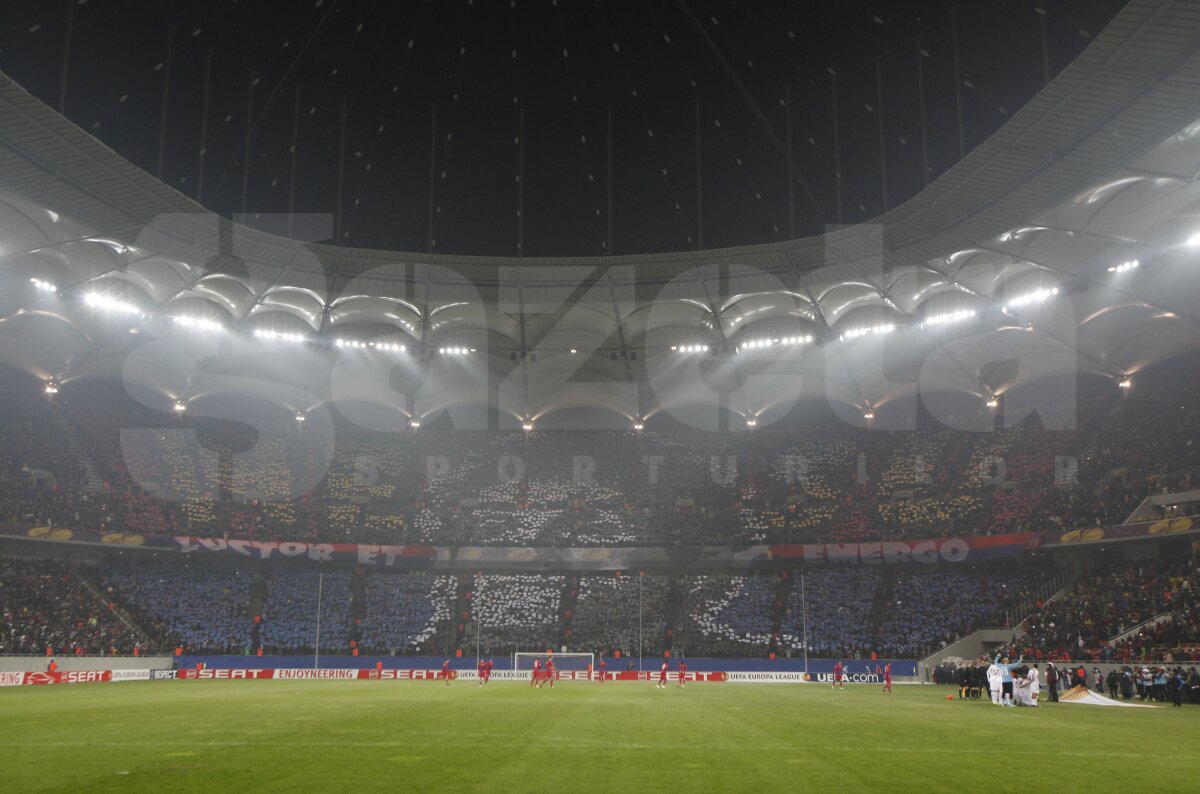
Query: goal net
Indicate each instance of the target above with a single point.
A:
(563, 662)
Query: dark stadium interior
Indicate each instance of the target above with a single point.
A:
(787, 349)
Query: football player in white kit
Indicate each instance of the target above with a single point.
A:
(1020, 689)
(1006, 679)
(993, 679)
(1034, 684)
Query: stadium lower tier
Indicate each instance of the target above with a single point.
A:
(1112, 609)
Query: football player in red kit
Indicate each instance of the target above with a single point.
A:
(537, 672)
(445, 674)
(487, 671)
(837, 677)
(886, 672)
(481, 671)
(550, 672)
(682, 672)
(603, 668)
(662, 676)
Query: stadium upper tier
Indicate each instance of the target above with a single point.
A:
(1065, 243)
(94, 459)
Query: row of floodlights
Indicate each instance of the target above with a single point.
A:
(855, 333)
(1030, 298)
(527, 425)
(199, 324)
(279, 336)
(638, 425)
(780, 341)
(950, 318)
(1132, 264)
(115, 305)
(390, 347)
(107, 303)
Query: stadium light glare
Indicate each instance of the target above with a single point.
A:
(300, 417)
(574, 351)
(782, 341)
(1037, 296)
(869, 415)
(690, 348)
(1124, 383)
(638, 426)
(200, 324)
(51, 387)
(415, 424)
(180, 407)
(108, 303)
(1132, 264)
(387, 347)
(751, 421)
(43, 286)
(1194, 240)
(279, 336)
(992, 403)
(527, 426)
(948, 318)
(855, 333)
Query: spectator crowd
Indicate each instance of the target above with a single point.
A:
(95, 459)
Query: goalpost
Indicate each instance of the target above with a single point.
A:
(578, 662)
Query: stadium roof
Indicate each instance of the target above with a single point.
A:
(1015, 265)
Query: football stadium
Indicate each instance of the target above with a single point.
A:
(596, 395)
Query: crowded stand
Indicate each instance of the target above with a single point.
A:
(166, 474)
(1141, 610)
(517, 612)
(928, 610)
(727, 615)
(35, 445)
(1116, 610)
(832, 611)
(202, 610)
(91, 457)
(403, 612)
(606, 615)
(289, 616)
(49, 607)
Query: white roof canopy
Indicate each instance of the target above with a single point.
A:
(1024, 252)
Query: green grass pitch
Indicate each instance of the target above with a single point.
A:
(424, 736)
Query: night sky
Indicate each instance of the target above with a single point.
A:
(652, 62)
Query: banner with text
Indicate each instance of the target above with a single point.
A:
(970, 549)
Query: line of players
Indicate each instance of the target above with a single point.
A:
(541, 674)
(547, 673)
(1008, 683)
(841, 673)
